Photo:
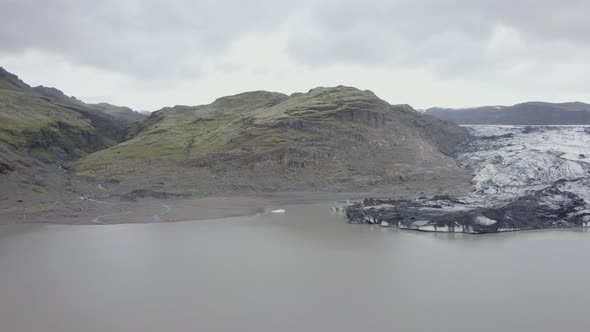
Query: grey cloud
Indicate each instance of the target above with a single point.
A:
(507, 48)
(151, 38)
(455, 36)
(141, 38)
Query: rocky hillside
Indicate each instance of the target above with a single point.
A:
(337, 138)
(40, 129)
(532, 113)
(56, 149)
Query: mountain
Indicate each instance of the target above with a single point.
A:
(122, 113)
(40, 129)
(337, 138)
(56, 95)
(9, 81)
(531, 113)
(34, 119)
(56, 149)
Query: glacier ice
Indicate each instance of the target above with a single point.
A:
(525, 177)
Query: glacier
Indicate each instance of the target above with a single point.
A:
(524, 178)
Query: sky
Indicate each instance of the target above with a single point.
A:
(149, 54)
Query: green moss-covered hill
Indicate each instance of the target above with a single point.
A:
(54, 128)
(40, 129)
(337, 138)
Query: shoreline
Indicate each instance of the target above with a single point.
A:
(173, 210)
(150, 210)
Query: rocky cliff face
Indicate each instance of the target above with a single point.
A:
(524, 178)
(337, 138)
(531, 113)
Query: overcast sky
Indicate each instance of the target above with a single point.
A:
(150, 54)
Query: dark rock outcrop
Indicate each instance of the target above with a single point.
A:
(552, 207)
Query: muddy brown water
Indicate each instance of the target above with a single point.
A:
(306, 270)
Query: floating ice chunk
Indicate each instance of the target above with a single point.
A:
(485, 221)
(278, 211)
(384, 224)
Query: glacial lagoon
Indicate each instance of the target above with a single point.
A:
(304, 270)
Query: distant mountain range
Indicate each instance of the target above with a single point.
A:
(531, 113)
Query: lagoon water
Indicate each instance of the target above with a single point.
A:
(305, 270)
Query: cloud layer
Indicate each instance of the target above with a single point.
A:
(147, 53)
